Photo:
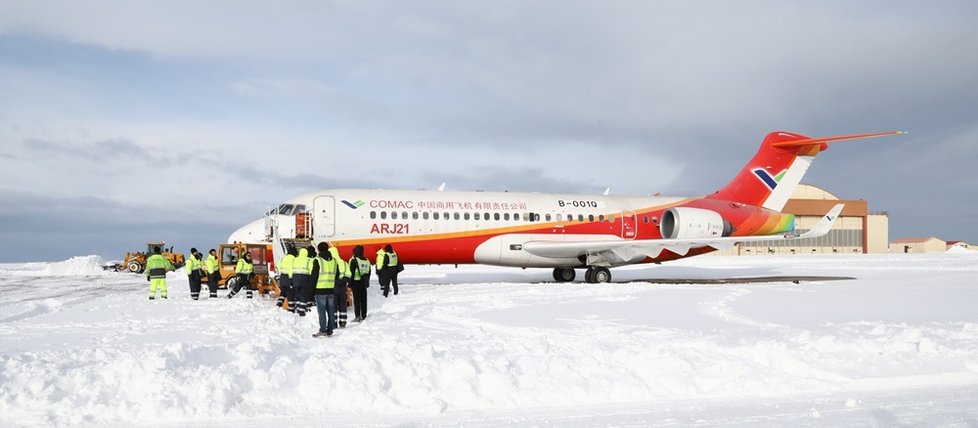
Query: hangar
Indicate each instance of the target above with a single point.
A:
(857, 230)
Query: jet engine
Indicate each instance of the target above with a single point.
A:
(693, 223)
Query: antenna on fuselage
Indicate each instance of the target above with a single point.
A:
(442, 187)
(607, 190)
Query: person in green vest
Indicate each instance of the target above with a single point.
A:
(156, 268)
(359, 281)
(325, 273)
(195, 273)
(213, 265)
(388, 268)
(243, 271)
(285, 278)
(342, 282)
(302, 284)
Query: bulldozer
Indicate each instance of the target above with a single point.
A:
(135, 262)
(261, 258)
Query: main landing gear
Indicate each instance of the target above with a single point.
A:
(593, 275)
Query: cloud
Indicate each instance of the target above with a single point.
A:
(252, 103)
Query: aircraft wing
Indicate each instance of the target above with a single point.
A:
(623, 251)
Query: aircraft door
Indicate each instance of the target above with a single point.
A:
(629, 225)
(324, 216)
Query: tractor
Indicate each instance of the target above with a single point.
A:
(261, 257)
(135, 262)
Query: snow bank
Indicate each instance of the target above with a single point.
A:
(75, 266)
(957, 249)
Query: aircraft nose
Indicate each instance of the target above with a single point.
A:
(253, 232)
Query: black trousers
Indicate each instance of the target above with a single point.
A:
(302, 292)
(359, 298)
(394, 281)
(284, 288)
(212, 280)
(194, 279)
(340, 292)
(243, 281)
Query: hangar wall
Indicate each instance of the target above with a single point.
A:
(856, 231)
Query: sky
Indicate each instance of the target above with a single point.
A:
(124, 122)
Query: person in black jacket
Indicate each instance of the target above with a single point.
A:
(359, 281)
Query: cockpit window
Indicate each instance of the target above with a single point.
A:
(300, 209)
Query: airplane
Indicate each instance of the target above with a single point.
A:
(559, 231)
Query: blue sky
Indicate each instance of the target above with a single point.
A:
(122, 122)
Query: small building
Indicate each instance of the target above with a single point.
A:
(918, 245)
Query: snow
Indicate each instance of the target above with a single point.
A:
(486, 346)
(957, 249)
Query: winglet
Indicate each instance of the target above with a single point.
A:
(825, 224)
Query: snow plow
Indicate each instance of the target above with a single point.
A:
(261, 258)
(135, 262)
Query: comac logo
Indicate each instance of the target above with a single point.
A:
(353, 205)
(767, 179)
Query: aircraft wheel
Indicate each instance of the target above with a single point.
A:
(134, 267)
(564, 275)
(601, 275)
(589, 275)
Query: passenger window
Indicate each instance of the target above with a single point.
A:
(466, 216)
(393, 215)
(570, 217)
(516, 216)
(655, 219)
(447, 217)
(414, 215)
(645, 219)
(457, 216)
(611, 218)
(486, 216)
(373, 214)
(404, 215)
(590, 217)
(601, 217)
(548, 217)
(506, 216)
(435, 215)
(383, 215)
(424, 215)
(580, 217)
(476, 216)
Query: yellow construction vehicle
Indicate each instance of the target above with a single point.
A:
(261, 258)
(135, 262)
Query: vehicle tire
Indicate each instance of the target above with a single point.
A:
(601, 275)
(589, 275)
(134, 267)
(564, 275)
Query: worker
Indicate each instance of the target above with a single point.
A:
(389, 267)
(301, 268)
(156, 268)
(359, 281)
(243, 271)
(342, 282)
(325, 272)
(213, 265)
(195, 273)
(285, 276)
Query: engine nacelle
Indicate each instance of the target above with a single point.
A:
(693, 223)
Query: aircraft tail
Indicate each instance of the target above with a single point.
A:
(770, 178)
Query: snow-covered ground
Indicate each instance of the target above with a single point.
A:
(484, 346)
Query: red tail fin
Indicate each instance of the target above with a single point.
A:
(779, 165)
